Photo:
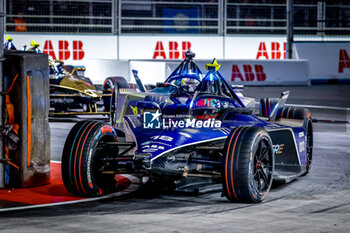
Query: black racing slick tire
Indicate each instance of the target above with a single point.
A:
(111, 82)
(267, 105)
(83, 159)
(248, 165)
(108, 86)
(293, 113)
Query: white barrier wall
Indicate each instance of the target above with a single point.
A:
(259, 72)
(247, 72)
(150, 72)
(99, 69)
(327, 60)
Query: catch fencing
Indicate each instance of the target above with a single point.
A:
(314, 20)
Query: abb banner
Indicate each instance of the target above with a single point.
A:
(75, 49)
(327, 60)
(70, 48)
(174, 47)
(259, 72)
(249, 47)
(169, 47)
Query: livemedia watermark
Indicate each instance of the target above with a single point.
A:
(155, 120)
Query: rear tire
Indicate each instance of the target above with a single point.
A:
(82, 163)
(248, 165)
(109, 84)
(293, 113)
(267, 105)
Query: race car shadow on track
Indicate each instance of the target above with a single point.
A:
(150, 196)
(141, 201)
(193, 187)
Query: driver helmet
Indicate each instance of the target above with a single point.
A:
(56, 68)
(188, 83)
(207, 108)
(52, 68)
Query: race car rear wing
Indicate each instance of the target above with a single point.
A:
(280, 104)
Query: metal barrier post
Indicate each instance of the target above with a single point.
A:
(119, 16)
(114, 16)
(321, 17)
(51, 11)
(225, 17)
(221, 17)
(290, 26)
(117, 19)
(2, 17)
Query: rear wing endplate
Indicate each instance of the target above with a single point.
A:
(280, 104)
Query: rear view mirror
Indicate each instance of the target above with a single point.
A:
(162, 85)
(169, 85)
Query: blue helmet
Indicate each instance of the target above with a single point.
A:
(187, 73)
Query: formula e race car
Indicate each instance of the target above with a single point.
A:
(206, 132)
(68, 89)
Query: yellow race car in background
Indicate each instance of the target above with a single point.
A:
(70, 90)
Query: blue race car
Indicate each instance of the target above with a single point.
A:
(207, 132)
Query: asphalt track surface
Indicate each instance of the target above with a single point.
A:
(318, 202)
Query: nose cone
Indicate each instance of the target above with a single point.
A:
(80, 86)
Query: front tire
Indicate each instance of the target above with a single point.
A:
(248, 165)
(83, 159)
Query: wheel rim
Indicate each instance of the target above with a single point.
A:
(100, 163)
(262, 166)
